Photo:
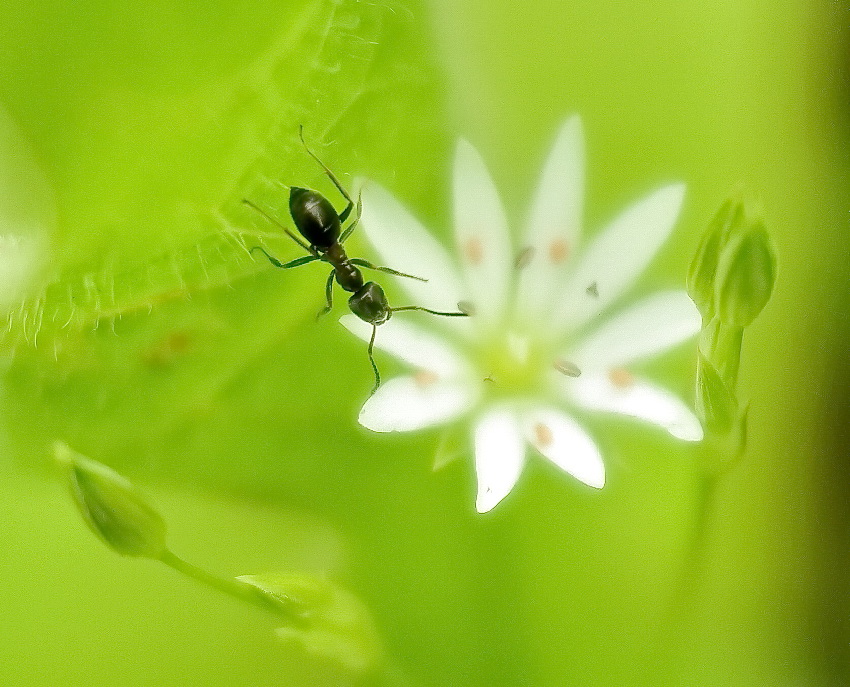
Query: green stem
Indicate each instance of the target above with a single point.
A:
(728, 353)
(235, 588)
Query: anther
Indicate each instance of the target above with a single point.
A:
(559, 251)
(621, 378)
(567, 368)
(542, 435)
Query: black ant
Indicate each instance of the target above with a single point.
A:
(321, 226)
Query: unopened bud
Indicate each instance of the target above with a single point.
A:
(746, 275)
(329, 621)
(112, 507)
(701, 274)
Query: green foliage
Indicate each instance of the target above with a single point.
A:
(112, 507)
(156, 308)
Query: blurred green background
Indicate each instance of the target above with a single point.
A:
(158, 347)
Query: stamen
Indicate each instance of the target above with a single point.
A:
(425, 378)
(621, 378)
(567, 367)
(466, 307)
(524, 257)
(542, 435)
(473, 250)
(559, 251)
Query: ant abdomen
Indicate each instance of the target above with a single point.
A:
(314, 217)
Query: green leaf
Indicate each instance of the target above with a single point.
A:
(453, 444)
(332, 623)
(112, 507)
(156, 309)
(715, 403)
(746, 276)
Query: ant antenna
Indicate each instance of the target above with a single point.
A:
(330, 174)
(271, 219)
(372, 360)
(433, 312)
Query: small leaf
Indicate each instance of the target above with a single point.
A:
(331, 622)
(112, 507)
(452, 445)
(746, 276)
(715, 404)
(701, 274)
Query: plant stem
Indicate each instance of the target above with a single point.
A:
(235, 588)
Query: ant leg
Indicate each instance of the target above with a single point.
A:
(372, 360)
(285, 265)
(312, 251)
(353, 225)
(329, 295)
(330, 174)
(368, 265)
(433, 312)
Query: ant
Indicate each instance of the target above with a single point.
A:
(321, 226)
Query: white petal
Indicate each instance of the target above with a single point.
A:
(614, 260)
(567, 445)
(412, 344)
(636, 398)
(405, 404)
(481, 233)
(651, 326)
(554, 225)
(403, 244)
(499, 457)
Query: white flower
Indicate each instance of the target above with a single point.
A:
(536, 344)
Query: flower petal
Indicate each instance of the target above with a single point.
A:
(403, 244)
(405, 404)
(413, 345)
(614, 260)
(481, 234)
(554, 224)
(566, 444)
(637, 398)
(651, 326)
(499, 457)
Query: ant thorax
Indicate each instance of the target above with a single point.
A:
(348, 276)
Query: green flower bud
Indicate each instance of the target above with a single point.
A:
(700, 280)
(746, 275)
(331, 623)
(715, 403)
(112, 507)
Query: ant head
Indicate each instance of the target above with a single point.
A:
(370, 304)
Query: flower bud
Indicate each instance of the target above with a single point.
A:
(701, 274)
(330, 622)
(745, 278)
(112, 507)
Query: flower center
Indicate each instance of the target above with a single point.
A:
(514, 364)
